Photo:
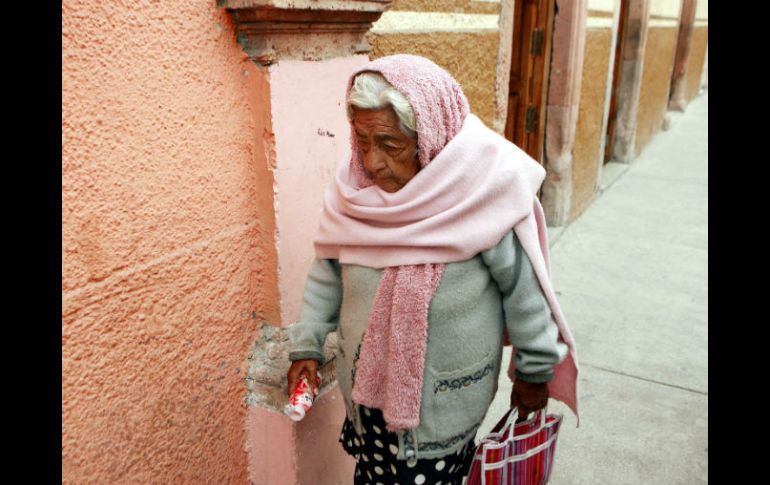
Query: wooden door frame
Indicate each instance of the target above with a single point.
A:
(543, 67)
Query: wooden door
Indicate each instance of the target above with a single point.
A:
(530, 65)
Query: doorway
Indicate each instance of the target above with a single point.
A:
(530, 66)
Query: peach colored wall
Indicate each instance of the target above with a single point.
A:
(167, 241)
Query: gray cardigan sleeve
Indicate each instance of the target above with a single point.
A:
(528, 319)
(319, 314)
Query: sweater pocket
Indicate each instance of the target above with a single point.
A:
(460, 398)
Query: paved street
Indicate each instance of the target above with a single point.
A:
(632, 278)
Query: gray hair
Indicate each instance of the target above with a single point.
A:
(371, 91)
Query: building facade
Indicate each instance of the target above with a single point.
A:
(197, 139)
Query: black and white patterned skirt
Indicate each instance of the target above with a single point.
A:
(375, 453)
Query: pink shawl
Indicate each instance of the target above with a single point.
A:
(474, 186)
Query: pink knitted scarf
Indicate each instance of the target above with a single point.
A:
(474, 186)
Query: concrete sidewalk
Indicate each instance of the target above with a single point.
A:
(631, 275)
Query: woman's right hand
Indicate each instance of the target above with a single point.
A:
(306, 367)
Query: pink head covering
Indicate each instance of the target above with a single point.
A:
(439, 111)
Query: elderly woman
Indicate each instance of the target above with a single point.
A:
(431, 253)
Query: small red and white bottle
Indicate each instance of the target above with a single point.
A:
(301, 399)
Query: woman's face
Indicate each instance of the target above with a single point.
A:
(390, 156)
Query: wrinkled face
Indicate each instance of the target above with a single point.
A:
(390, 156)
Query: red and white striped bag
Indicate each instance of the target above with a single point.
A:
(517, 453)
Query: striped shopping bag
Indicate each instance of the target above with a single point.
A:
(517, 453)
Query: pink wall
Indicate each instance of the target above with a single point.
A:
(305, 453)
(311, 137)
(167, 241)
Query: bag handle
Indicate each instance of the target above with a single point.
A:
(509, 418)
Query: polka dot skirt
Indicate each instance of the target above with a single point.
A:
(376, 451)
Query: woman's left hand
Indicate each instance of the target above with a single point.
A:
(528, 397)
